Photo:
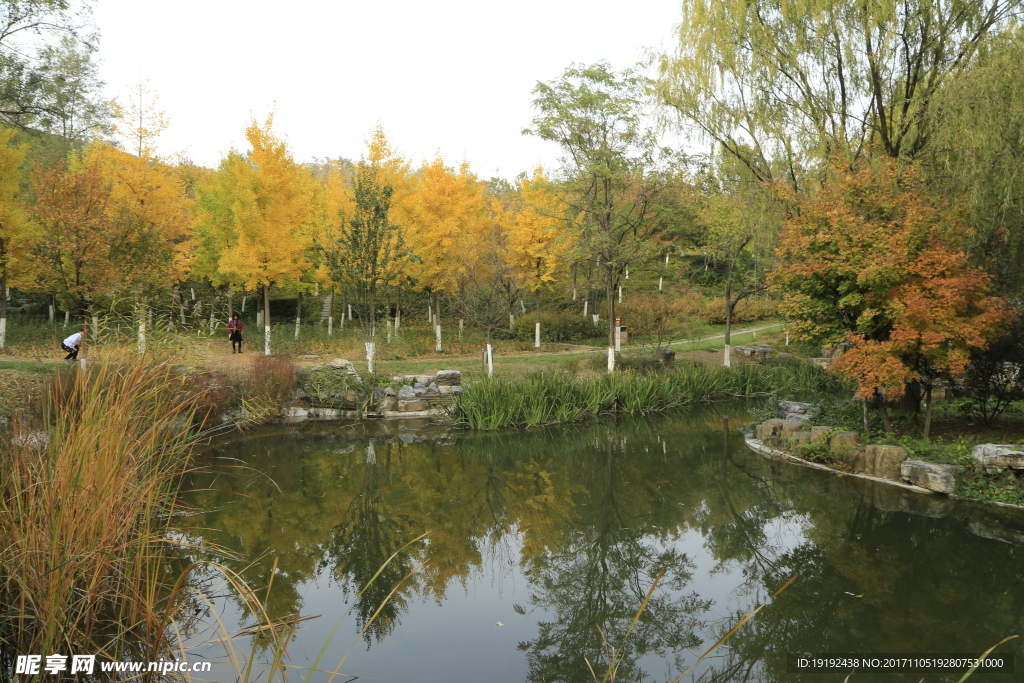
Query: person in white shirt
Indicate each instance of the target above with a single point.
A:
(72, 344)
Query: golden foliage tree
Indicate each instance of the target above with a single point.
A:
(256, 218)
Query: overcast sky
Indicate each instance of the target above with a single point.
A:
(449, 75)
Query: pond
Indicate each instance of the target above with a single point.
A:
(542, 545)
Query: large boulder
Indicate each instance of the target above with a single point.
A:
(841, 442)
(412, 406)
(885, 462)
(930, 475)
(998, 457)
(769, 429)
(406, 393)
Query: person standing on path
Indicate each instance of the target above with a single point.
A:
(72, 344)
(235, 333)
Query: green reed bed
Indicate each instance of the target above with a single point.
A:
(548, 398)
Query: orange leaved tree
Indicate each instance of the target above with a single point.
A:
(877, 262)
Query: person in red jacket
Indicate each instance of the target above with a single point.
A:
(235, 333)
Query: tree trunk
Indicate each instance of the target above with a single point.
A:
(141, 312)
(536, 330)
(489, 355)
(266, 320)
(330, 314)
(231, 302)
(928, 411)
(3, 306)
(298, 314)
(883, 411)
(610, 291)
(437, 321)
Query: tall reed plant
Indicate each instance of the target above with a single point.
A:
(547, 398)
(87, 495)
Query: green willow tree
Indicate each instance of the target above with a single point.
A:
(610, 174)
(800, 82)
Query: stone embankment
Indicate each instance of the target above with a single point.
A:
(335, 390)
(876, 461)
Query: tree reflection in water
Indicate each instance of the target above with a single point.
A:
(588, 515)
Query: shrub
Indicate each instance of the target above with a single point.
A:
(557, 327)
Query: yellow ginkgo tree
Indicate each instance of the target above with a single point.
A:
(254, 218)
(447, 223)
(540, 240)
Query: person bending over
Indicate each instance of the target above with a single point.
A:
(72, 344)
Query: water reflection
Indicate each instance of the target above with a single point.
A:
(584, 517)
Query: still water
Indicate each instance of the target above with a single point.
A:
(542, 544)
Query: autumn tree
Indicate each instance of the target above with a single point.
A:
(610, 174)
(873, 260)
(15, 228)
(254, 218)
(446, 219)
(540, 239)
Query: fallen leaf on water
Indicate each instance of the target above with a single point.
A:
(498, 623)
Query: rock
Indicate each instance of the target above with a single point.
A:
(387, 404)
(388, 391)
(432, 386)
(841, 442)
(295, 413)
(769, 429)
(798, 416)
(419, 389)
(448, 378)
(406, 393)
(667, 356)
(446, 390)
(342, 364)
(821, 362)
(456, 390)
(997, 458)
(818, 433)
(424, 379)
(884, 462)
(419, 385)
(854, 458)
(795, 407)
(752, 351)
(801, 438)
(790, 427)
(412, 406)
(930, 475)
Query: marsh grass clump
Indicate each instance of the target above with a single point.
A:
(88, 486)
(267, 385)
(547, 398)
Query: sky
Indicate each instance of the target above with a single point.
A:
(450, 76)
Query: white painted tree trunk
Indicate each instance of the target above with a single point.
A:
(787, 337)
(618, 338)
(586, 302)
(511, 321)
(620, 294)
(243, 304)
(523, 305)
(51, 313)
(3, 332)
(259, 318)
(596, 318)
(666, 259)
(298, 323)
(370, 351)
(398, 318)
(350, 311)
(536, 335)
(193, 290)
(461, 321)
(611, 360)
(95, 327)
(213, 323)
(574, 294)
(660, 280)
(437, 336)
(627, 273)
(330, 325)
(266, 340)
(142, 329)
(727, 360)
(490, 361)
(387, 324)
(67, 317)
